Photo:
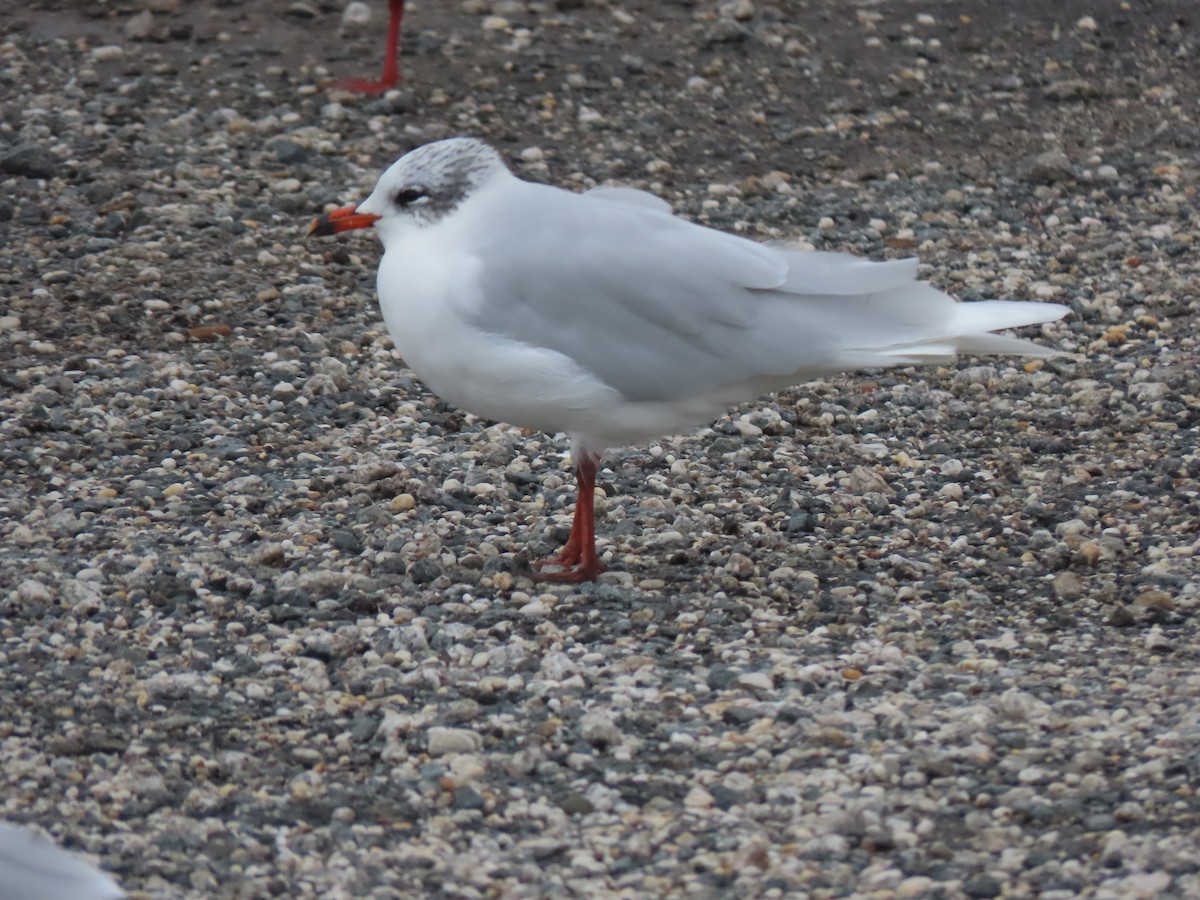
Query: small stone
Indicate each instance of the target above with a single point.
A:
(306, 756)
(442, 741)
(1116, 335)
(1050, 167)
(209, 332)
(301, 11)
(424, 570)
(698, 798)
(598, 729)
(346, 541)
(29, 161)
(739, 715)
(1154, 600)
(740, 10)
(30, 591)
(1142, 885)
(269, 554)
(982, 887)
(915, 886)
(576, 804)
(1071, 527)
(467, 767)
(1121, 618)
(760, 681)
(1156, 642)
(1070, 89)
(140, 27)
(466, 797)
(1068, 586)
(107, 53)
(289, 152)
(356, 14)
(867, 481)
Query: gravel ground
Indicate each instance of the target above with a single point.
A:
(266, 625)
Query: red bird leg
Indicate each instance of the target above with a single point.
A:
(578, 558)
(391, 69)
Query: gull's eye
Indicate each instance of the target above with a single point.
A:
(408, 196)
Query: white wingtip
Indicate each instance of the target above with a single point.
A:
(32, 868)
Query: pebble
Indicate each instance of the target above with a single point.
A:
(29, 160)
(1050, 167)
(444, 741)
(140, 26)
(107, 53)
(356, 13)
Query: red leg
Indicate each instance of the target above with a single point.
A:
(578, 558)
(391, 69)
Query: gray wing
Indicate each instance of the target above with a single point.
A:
(654, 306)
(661, 309)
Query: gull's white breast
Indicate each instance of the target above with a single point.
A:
(430, 285)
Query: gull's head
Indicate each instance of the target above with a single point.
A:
(420, 188)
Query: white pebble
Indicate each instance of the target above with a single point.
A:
(757, 681)
(356, 13)
(951, 491)
(443, 741)
(30, 591)
(107, 53)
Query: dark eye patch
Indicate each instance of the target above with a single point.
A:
(408, 196)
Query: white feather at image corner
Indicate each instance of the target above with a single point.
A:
(33, 868)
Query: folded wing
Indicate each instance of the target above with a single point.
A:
(661, 309)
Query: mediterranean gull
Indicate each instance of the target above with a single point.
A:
(605, 316)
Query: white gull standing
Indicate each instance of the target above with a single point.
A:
(605, 316)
